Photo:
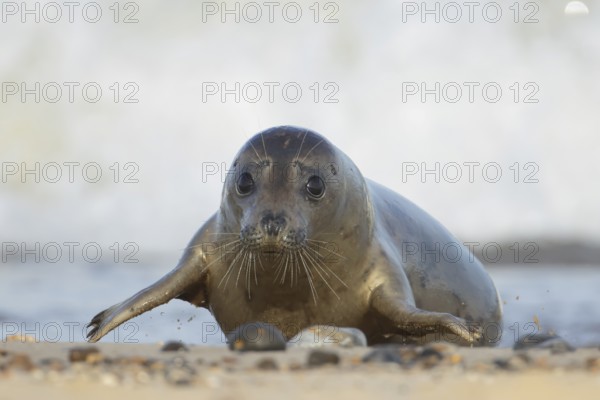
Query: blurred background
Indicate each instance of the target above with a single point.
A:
(117, 120)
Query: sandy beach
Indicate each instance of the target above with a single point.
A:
(75, 370)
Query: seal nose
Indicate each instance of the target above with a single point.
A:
(272, 224)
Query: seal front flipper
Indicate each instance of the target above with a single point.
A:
(406, 319)
(186, 282)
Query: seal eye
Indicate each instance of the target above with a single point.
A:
(245, 183)
(315, 187)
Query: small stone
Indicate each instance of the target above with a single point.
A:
(109, 379)
(318, 358)
(229, 360)
(180, 376)
(90, 355)
(502, 363)
(383, 355)
(440, 347)
(21, 362)
(295, 366)
(555, 344)
(267, 364)
(133, 360)
(174, 345)
(329, 336)
(256, 336)
(482, 367)
(155, 365)
(179, 362)
(429, 357)
(3, 353)
(143, 377)
(514, 363)
(593, 364)
(455, 359)
(53, 364)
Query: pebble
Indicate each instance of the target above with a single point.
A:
(256, 336)
(329, 336)
(514, 363)
(593, 364)
(90, 355)
(555, 344)
(267, 364)
(318, 358)
(53, 364)
(383, 355)
(21, 362)
(174, 346)
(133, 360)
(155, 365)
(429, 357)
(180, 375)
(109, 379)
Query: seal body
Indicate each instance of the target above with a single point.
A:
(301, 238)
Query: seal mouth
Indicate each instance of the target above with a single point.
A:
(271, 249)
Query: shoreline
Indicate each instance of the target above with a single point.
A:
(69, 370)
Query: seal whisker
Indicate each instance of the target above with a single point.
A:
(231, 266)
(254, 257)
(297, 272)
(325, 247)
(204, 243)
(243, 265)
(260, 161)
(220, 257)
(264, 147)
(314, 147)
(317, 269)
(301, 144)
(321, 264)
(248, 270)
(262, 268)
(284, 272)
(292, 267)
(282, 260)
(310, 281)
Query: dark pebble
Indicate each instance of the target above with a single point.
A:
(174, 346)
(155, 365)
(383, 355)
(132, 360)
(85, 354)
(329, 336)
(256, 336)
(317, 358)
(429, 357)
(179, 372)
(53, 364)
(514, 363)
(555, 344)
(593, 364)
(3, 353)
(179, 376)
(21, 362)
(267, 364)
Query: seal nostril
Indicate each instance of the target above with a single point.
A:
(273, 225)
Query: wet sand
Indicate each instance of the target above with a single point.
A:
(74, 370)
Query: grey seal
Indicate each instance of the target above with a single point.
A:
(301, 238)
